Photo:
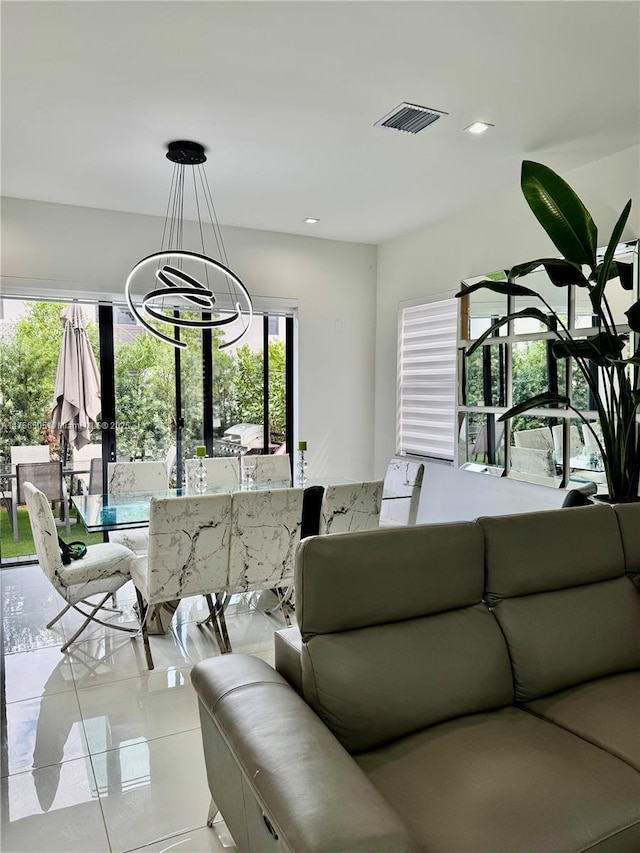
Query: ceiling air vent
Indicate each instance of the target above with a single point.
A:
(409, 118)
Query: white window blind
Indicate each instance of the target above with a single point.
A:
(427, 378)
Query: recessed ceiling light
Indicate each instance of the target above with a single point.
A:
(478, 127)
(310, 221)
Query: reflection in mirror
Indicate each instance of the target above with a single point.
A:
(505, 372)
(534, 370)
(482, 308)
(481, 440)
(485, 377)
(556, 297)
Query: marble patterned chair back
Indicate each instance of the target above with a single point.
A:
(265, 531)
(170, 460)
(45, 534)
(577, 448)
(351, 507)
(221, 471)
(127, 478)
(270, 469)
(590, 443)
(528, 460)
(535, 439)
(403, 477)
(188, 546)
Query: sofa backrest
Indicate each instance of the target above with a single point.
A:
(556, 583)
(395, 635)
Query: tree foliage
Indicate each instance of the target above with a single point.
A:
(144, 381)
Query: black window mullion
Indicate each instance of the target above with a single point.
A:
(178, 412)
(207, 386)
(288, 385)
(266, 440)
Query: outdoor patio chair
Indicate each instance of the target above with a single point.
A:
(130, 478)
(403, 480)
(265, 531)
(270, 468)
(21, 453)
(350, 507)
(221, 471)
(82, 462)
(47, 477)
(188, 555)
(102, 571)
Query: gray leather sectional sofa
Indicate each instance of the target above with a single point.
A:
(464, 687)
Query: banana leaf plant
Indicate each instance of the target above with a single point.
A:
(615, 385)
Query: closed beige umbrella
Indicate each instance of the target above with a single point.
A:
(76, 403)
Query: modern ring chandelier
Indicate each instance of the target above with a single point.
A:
(176, 272)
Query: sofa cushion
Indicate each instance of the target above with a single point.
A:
(557, 585)
(605, 712)
(560, 639)
(508, 782)
(373, 685)
(542, 551)
(359, 579)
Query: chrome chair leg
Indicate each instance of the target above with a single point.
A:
(59, 616)
(144, 612)
(91, 617)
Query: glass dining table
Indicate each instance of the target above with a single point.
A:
(104, 513)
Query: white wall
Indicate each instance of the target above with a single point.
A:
(92, 251)
(497, 234)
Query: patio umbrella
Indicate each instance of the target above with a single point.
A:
(76, 403)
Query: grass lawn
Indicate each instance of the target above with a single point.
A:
(24, 546)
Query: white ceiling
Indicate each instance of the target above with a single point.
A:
(284, 96)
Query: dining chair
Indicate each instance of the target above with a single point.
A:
(350, 507)
(590, 443)
(403, 481)
(102, 571)
(265, 531)
(130, 478)
(575, 441)
(170, 461)
(221, 471)
(270, 468)
(534, 465)
(188, 555)
(534, 439)
(96, 477)
(22, 453)
(81, 462)
(47, 477)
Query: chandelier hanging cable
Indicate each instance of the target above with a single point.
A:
(183, 274)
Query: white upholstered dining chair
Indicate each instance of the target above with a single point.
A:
(404, 482)
(270, 468)
(102, 571)
(188, 555)
(130, 478)
(221, 471)
(351, 507)
(265, 531)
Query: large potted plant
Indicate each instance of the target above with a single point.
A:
(615, 385)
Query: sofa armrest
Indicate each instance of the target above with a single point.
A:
(312, 792)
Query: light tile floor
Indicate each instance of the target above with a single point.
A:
(99, 754)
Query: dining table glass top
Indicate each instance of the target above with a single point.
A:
(102, 513)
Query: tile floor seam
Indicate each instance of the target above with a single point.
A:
(99, 798)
